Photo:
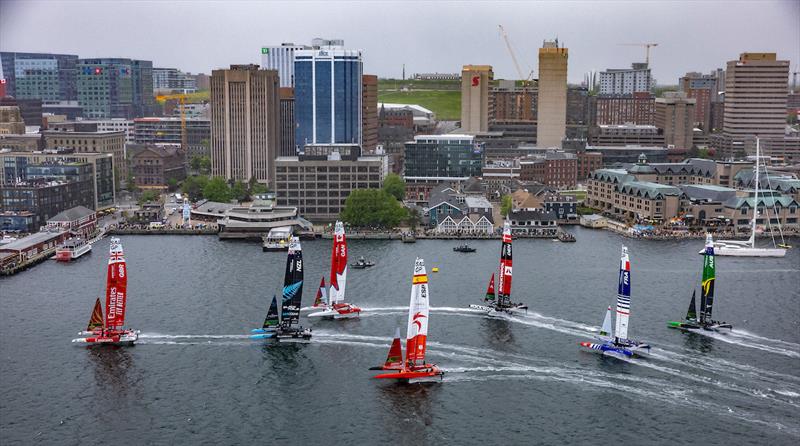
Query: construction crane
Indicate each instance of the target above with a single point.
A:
(647, 47)
(526, 111)
(182, 101)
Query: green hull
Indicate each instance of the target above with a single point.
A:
(681, 325)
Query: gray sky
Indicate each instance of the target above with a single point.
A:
(431, 36)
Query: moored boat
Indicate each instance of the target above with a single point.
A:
(464, 248)
(72, 248)
(615, 341)
(704, 321)
(501, 303)
(110, 330)
(414, 368)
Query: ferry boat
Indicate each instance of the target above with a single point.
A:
(278, 239)
(72, 248)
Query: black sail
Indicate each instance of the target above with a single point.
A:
(692, 313)
(292, 284)
(272, 319)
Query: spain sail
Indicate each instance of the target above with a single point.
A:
(292, 284)
(116, 286)
(691, 313)
(623, 295)
(338, 278)
(707, 285)
(322, 295)
(504, 284)
(96, 320)
(490, 290)
(272, 319)
(418, 312)
(605, 331)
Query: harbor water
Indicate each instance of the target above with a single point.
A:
(195, 377)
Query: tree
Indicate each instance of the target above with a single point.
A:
(148, 196)
(172, 184)
(239, 191)
(193, 187)
(395, 186)
(256, 188)
(217, 190)
(506, 205)
(373, 208)
(200, 164)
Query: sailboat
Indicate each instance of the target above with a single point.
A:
(620, 344)
(693, 322)
(394, 360)
(748, 248)
(109, 329)
(336, 307)
(414, 368)
(502, 302)
(280, 322)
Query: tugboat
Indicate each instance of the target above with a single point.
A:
(362, 263)
(464, 248)
(72, 248)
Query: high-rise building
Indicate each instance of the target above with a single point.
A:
(552, 106)
(328, 95)
(281, 58)
(475, 85)
(675, 117)
(115, 88)
(168, 131)
(448, 155)
(288, 147)
(636, 79)
(167, 80)
(512, 103)
(703, 89)
(756, 88)
(245, 119)
(638, 108)
(49, 77)
(91, 142)
(369, 112)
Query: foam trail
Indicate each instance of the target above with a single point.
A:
(748, 335)
(740, 341)
(192, 336)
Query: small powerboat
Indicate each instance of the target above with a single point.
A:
(464, 248)
(362, 263)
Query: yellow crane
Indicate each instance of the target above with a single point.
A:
(182, 101)
(526, 111)
(647, 47)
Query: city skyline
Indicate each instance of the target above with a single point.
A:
(471, 33)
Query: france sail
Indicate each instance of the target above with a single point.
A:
(111, 331)
(336, 307)
(415, 369)
(502, 303)
(704, 321)
(617, 342)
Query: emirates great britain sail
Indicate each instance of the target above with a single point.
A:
(336, 307)
(110, 330)
(503, 301)
(703, 320)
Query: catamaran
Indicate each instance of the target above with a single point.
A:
(414, 369)
(739, 248)
(336, 307)
(620, 344)
(279, 324)
(502, 302)
(704, 322)
(109, 329)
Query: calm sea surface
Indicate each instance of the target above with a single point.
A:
(195, 377)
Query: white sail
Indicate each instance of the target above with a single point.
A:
(605, 331)
(418, 312)
(623, 295)
(338, 279)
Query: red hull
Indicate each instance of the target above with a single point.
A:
(428, 372)
(346, 309)
(63, 256)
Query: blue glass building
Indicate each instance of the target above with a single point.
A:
(327, 107)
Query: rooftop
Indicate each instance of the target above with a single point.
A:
(29, 241)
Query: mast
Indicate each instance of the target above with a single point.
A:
(707, 285)
(292, 284)
(417, 329)
(116, 286)
(504, 284)
(752, 240)
(623, 295)
(338, 277)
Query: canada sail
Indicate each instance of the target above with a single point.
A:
(338, 278)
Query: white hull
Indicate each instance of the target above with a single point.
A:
(333, 314)
(745, 251)
(491, 311)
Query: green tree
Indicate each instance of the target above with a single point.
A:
(373, 207)
(395, 186)
(172, 184)
(239, 191)
(217, 190)
(148, 196)
(506, 205)
(255, 188)
(193, 186)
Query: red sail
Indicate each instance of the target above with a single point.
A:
(116, 286)
(338, 266)
(322, 298)
(394, 361)
(505, 265)
(490, 290)
(96, 320)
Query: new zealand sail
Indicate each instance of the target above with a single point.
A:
(111, 329)
(704, 321)
(502, 302)
(336, 307)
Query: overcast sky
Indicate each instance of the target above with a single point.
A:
(199, 36)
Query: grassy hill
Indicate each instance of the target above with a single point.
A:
(446, 104)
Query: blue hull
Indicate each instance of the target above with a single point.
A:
(262, 336)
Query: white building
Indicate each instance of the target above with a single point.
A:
(626, 80)
(281, 58)
(115, 125)
(168, 80)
